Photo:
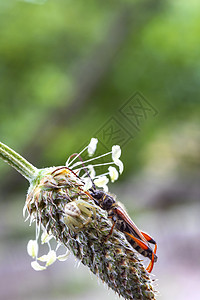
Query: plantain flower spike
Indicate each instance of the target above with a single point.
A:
(65, 216)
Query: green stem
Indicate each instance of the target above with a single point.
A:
(18, 162)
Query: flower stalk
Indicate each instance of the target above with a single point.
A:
(14, 159)
(62, 209)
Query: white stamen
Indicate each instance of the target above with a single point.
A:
(43, 258)
(92, 146)
(88, 183)
(49, 258)
(113, 173)
(45, 238)
(91, 171)
(119, 163)
(91, 159)
(37, 231)
(116, 152)
(63, 257)
(69, 163)
(98, 165)
(36, 266)
(102, 182)
(32, 248)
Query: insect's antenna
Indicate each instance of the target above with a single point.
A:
(84, 167)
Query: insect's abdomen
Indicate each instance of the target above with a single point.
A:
(147, 253)
(123, 227)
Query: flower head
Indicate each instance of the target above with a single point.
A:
(68, 175)
(65, 215)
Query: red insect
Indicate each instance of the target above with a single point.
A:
(139, 240)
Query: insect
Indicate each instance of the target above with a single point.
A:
(78, 214)
(139, 240)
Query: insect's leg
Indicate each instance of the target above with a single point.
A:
(111, 230)
(88, 194)
(150, 240)
(86, 210)
(138, 241)
(146, 248)
(150, 266)
(153, 259)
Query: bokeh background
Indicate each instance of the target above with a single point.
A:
(127, 72)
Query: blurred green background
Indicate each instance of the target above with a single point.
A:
(127, 72)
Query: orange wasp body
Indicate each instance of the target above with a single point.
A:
(139, 240)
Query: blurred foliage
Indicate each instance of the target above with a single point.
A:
(66, 70)
(66, 67)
